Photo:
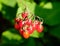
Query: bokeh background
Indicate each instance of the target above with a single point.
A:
(49, 10)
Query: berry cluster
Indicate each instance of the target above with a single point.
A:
(27, 26)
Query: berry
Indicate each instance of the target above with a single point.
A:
(34, 24)
(24, 14)
(28, 22)
(16, 26)
(26, 25)
(21, 23)
(30, 29)
(39, 28)
(17, 19)
(26, 34)
(21, 31)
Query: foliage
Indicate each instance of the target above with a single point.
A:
(48, 10)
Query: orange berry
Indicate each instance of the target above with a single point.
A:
(26, 35)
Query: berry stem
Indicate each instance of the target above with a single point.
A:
(40, 19)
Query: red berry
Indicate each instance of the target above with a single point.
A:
(30, 29)
(34, 24)
(21, 31)
(25, 27)
(24, 14)
(26, 34)
(17, 19)
(39, 28)
(28, 22)
(21, 23)
(16, 26)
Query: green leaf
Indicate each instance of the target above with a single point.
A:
(55, 32)
(9, 13)
(31, 42)
(50, 13)
(29, 5)
(48, 5)
(30, 8)
(36, 34)
(41, 35)
(0, 5)
(12, 36)
(9, 2)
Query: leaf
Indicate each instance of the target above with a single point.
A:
(48, 5)
(30, 6)
(8, 12)
(12, 36)
(55, 32)
(35, 34)
(41, 35)
(0, 5)
(50, 16)
(31, 42)
(11, 3)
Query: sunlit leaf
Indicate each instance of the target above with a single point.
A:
(29, 5)
(12, 36)
(48, 5)
(9, 2)
(0, 6)
(35, 34)
(42, 4)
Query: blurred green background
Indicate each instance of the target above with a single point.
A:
(49, 10)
